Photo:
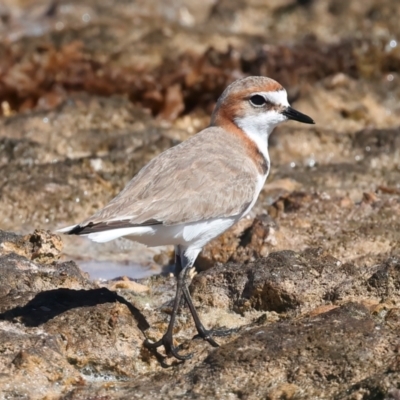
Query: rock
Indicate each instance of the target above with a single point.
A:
(33, 363)
(342, 353)
(55, 324)
(295, 315)
(126, 283)
(41, 246)
(385, 281)
(281, 282)
(307, 355)
(23, 276)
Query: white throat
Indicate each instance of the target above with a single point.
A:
(259, 127)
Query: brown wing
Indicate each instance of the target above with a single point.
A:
(207, 176)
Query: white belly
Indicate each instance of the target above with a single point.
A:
(194, 234)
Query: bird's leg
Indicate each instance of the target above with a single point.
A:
(206, 334)
(167, 340)
(202, 331)
(178, 262)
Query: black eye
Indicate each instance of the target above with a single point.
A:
(257, 100)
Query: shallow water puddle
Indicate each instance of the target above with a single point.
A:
(107, 261)
(108, 270)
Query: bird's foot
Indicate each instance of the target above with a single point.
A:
(170, 349)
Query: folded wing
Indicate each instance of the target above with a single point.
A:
(205, 177)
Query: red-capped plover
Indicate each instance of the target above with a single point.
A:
(193, 192)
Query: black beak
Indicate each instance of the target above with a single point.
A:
(291, 113)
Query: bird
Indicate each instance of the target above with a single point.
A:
(193, 192)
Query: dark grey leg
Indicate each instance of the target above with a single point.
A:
(182, 268)
(201, 330)
(167, 339)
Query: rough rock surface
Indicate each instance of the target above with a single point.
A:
(309, 326)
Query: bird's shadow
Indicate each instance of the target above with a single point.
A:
(48, 304)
